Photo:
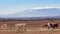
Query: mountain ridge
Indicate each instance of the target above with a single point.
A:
(35, 13)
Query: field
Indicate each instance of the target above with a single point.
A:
(31, 27)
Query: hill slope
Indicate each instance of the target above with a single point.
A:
(36, 13)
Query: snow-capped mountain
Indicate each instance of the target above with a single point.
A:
(36, 13)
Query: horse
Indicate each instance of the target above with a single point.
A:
(55, 25)
(51, 25)
(20, 27)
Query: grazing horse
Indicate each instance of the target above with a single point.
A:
(51, 25)
(48, 25)
(55, 25)
(20, 27)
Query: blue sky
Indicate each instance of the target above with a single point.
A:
(13, 6)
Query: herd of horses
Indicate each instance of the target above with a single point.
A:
(51, 25)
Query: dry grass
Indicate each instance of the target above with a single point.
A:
(32, 27)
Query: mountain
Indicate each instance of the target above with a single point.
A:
(50, 12)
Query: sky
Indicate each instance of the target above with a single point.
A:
(14, 6)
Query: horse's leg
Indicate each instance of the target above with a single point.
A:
(53, 26)
(48, 27)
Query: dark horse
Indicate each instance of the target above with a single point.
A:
(55, 25)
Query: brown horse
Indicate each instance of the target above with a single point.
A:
(55, 25)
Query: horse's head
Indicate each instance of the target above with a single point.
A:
(45, 25)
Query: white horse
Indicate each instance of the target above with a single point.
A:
(4, 26)
(49, 25)
(20, 26)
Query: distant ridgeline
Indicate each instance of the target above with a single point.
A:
(30, 19)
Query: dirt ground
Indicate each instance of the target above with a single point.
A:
(42, 31)
(32, 27)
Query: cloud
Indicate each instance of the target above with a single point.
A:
(46, 7)
(6, 12)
